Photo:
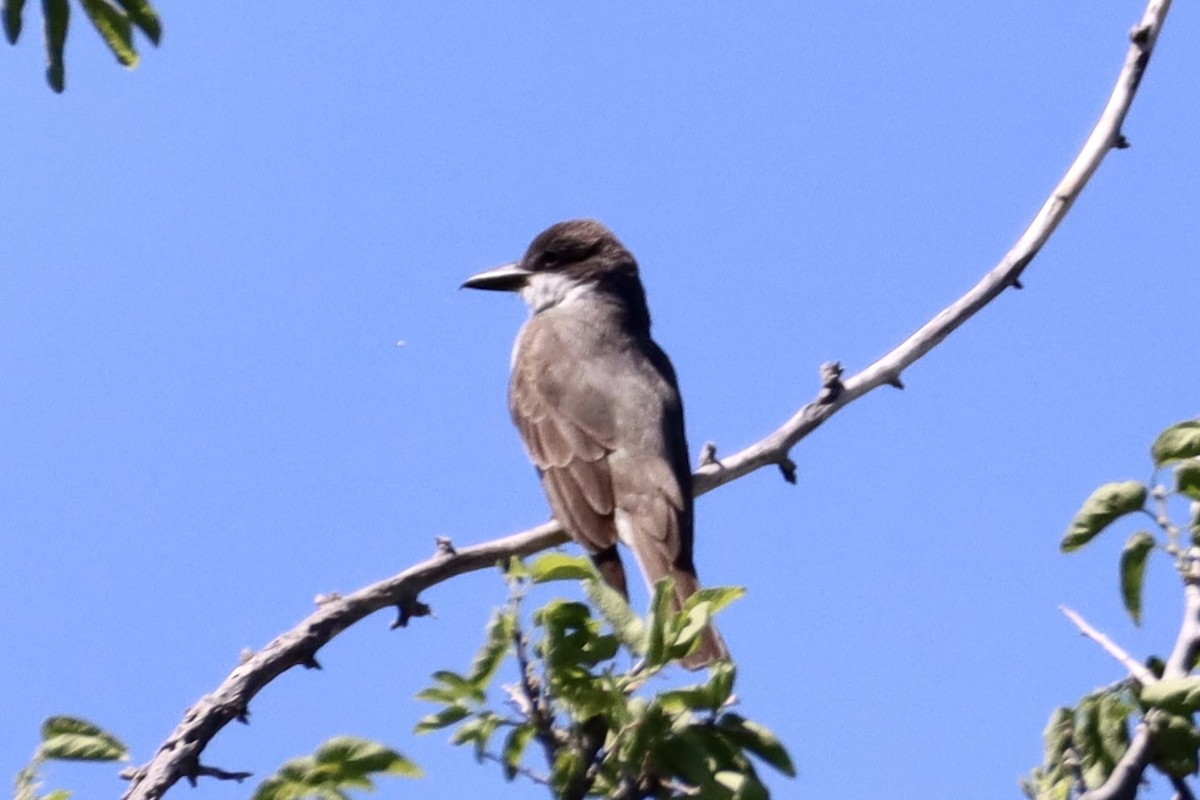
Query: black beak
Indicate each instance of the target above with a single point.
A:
(506, 278)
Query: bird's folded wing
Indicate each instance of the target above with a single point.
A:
(569, 430)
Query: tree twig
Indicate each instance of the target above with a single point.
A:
(1187, 644)
(1139, 671)
(297, 647)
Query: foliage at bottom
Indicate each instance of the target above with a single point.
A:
(582, 698)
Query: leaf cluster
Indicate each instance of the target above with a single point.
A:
(1178, 449)
(114, 20)
(66, 739)
(600, 731)
(1084, 743)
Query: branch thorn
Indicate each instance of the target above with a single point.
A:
(219, 774)
(788, 468)
(409, 608)
(708, 454)
(831, 381)
(311, 662)
(1120, 142)
(445, 547)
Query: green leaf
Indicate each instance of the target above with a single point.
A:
(74, 739)
(1187, 479)
(514, 748)
(1133, 572)
(694, 621)
(57, 16)
(479, 731)
(1177, 695)
(444, 718)
(718, 597)
(1057, 736)
(720, 683)
(12, 19)
(143, 15)
(352, 756)
(660, 617)
(454, 687)
(689, 698)
(1176, 742)
(496, 646)
(57, 794)
(1113, 718)
(1177, 443)
(745, 786)
(341, 763)
(561, 567)
(626, 624)
(439, 694)
(678, 757)
(1108, 503)
(115, 28)
(758, 740)
(1099, 742)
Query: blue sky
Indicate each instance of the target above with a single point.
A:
(205, 419)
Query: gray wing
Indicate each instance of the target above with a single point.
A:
(569, 429)
(598, 436)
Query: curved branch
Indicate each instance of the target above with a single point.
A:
(179, 756)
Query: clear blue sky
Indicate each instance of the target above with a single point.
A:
(205, 420)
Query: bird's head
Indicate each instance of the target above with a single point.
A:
(567, 261)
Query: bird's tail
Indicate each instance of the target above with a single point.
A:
(655, 566)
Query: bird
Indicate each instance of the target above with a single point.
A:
(597, 404)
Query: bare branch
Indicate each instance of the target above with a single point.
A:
(178, 756)
(1135, 667)
(1187, 644)
(1105, 136)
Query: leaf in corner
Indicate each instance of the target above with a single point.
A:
(115, 28)
(1187, 479)
(1108, 503)
(1177, 443)
(758, 740)
(12, 19)
(57, 14)
(74, 739)
(1133, 572)
(143, 15)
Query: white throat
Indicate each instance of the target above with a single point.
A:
(547, 289)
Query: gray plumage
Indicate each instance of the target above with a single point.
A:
(597, 404)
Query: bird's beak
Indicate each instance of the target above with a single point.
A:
(507, 278)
